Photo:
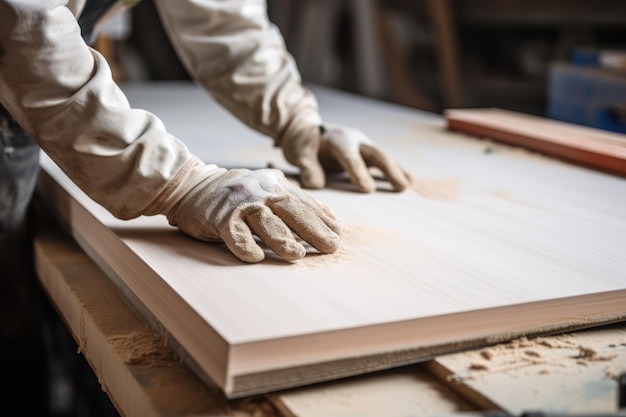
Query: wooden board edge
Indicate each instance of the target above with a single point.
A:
(604, 161)
(588, 316)
(73, 217)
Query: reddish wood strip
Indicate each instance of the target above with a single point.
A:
(588, 146)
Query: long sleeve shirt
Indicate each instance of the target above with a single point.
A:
(62, 92)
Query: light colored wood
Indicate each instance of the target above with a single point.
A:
(523, 245)
(143, 376)
(570, 373)
(398, 393)
(593, 147)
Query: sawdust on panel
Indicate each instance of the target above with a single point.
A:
(352, 236)
(444, 190)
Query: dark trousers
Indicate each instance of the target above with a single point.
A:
(23, 359)
(34, 344)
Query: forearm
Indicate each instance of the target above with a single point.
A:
(232, 49)
(62, 93)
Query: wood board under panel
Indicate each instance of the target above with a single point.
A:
(567, 373)
(485, 247)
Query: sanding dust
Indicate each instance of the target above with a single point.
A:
(256, 407)
(590, 355)
(167, 381)
(143, 347)
(443, 190)
(352, 236)
(486, 354)
(478, 367)
(562, 354)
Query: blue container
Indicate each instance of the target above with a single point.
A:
(588, 95)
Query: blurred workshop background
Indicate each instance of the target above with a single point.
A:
(565, 59)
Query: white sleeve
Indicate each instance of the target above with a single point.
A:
(61, 91)
(231, 48)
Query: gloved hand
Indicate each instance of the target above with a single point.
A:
(236, 204)
(316, 149)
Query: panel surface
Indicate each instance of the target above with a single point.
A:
(483, 228)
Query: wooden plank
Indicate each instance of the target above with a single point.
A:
(402, 392)
(484, 248)
(141, 375)
(591, 147)
(569, 373)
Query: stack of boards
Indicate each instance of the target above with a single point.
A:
(491, 243)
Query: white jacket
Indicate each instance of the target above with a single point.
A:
(62, 93)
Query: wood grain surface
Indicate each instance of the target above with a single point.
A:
(143, 376)
(488, 246)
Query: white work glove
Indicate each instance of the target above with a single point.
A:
(233, 50)
(235, 205)
(316, 149)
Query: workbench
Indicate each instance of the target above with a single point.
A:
(144, 377)
(574, 372)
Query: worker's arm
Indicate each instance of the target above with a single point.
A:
(62, 93)
(232, 49)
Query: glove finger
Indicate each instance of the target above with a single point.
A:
(393, 172)
(274, 233)
(355, 166)
(240, 241)
(324, 212)
(306, 222)
(327, 215)
(311, 172)
(302, 151)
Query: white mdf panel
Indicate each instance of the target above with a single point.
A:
(491, 242)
